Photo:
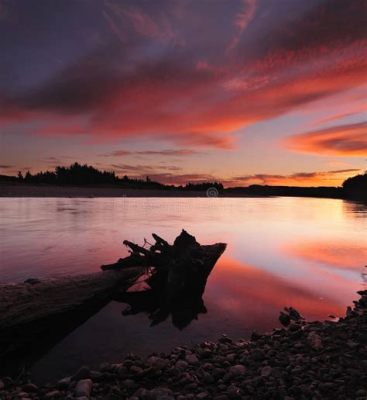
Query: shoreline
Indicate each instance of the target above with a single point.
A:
(89, 192)
(51, 191)
(305, 360)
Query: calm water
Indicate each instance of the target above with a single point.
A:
(308, 253)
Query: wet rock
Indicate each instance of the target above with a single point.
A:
(314, 341)
(53, 394)
(136, 370)
(30, 388)
(83, 388)
(257, 355)
(221, 397)
(284, 319)
(266, 371)
(129, 384)
(161, 393)
(192, 359)
(64, 383)
(224, 339)
(237, 370)
(181, 364)
(157, 362)
(233, 392)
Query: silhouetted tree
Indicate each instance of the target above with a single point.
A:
(356, 187)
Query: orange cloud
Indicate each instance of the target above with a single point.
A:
(140, 86)
(342, 140)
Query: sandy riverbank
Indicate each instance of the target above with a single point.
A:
(305, 360)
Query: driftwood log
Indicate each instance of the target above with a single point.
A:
(178, 269)
(35, 315)
(177, 276)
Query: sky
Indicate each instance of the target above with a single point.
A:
(241, 91)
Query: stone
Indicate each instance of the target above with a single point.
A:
(64, 383)
(2, 385)
(237, 370)
(54, 394)
(161, 393)
(30, 388)
(192, 359)
(83, 388)
(181, 364)
(202, 395)
(266, 371)
(233, 391)
(314, 340)
(136, 370)
(257, 355)
(157, 362)
(129, 384)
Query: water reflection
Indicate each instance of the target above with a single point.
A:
(344, 255)
(151, 302)
(305, 253)
(355, 209)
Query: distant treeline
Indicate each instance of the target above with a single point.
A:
(356, 187)
(352, 188)
(293, 191)
(85, 175)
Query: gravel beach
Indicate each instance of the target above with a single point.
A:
(303, 360)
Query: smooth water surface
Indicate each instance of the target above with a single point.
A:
(307, 253)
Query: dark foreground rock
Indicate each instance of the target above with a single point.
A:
(305, 360)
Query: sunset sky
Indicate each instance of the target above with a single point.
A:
(242, 91)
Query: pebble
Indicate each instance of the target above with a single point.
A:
(192, 359)
(30, 388)
(288, 364)
(54, 394)
(83, 388)
(237, 370)
(315, 341)
(266, 371)
(64, 383)
(157, 362)
(181, 364)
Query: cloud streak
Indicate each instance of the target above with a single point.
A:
(342, 140)
(164, 153)
(138, 87)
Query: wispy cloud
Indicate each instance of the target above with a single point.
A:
(165, 153)
(341, 140)
(242, 19)
(139, 88)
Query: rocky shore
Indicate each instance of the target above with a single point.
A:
(303, 360)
